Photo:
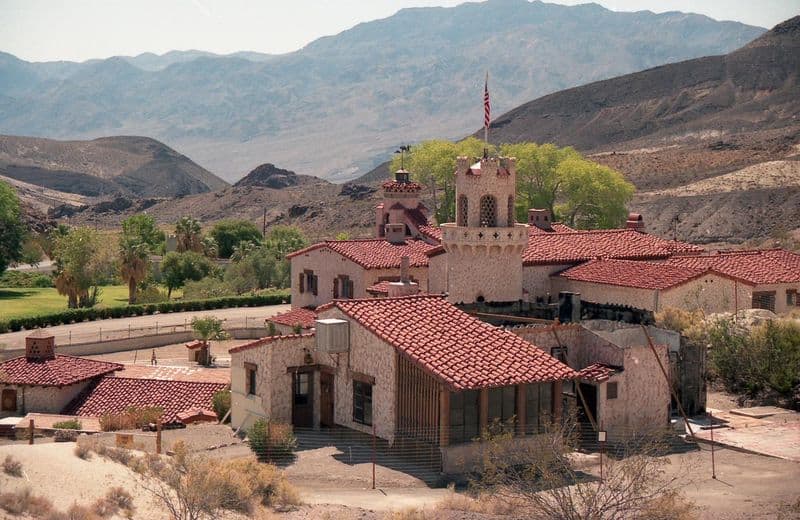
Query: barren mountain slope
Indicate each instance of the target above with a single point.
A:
(137, 166)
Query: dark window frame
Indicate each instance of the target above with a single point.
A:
(251, 378)
(612, 390)
(301, 388)
(362, 402)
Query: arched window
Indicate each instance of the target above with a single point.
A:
(511, 211)
(463, 210)
(488, 211)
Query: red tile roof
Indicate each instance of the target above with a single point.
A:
(431, 232)
(402, 187)
(267, 340)
(375, 253)
(453, 346)
(379, 288)
(632, 273)
(303, 317)
(556, 227)
(116, 394)
(597, 373)
(756, 267)
(58, 371)
(579, 246)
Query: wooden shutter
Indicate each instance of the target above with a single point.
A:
(314, 279)
(335, 288)
(302, 282)
(350, 288)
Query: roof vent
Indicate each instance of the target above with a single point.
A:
(635, 221)
(40, 346)
(333, 335)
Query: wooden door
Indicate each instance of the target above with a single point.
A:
(302, 401)
(9, 400)
(326, 399)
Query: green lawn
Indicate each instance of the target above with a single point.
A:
(24, 303)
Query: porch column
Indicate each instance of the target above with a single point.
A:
(556, 402)
(521, 410)
(444, 417)
(483, 410)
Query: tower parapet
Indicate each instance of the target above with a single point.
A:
(485, 244)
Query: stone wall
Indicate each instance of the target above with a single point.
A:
(536, 280)
(43, 399)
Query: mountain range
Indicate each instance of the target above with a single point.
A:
(338, 106)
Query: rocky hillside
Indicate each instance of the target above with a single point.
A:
(132, 166)
(270, 176)
(338, 106)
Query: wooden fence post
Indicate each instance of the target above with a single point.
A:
(30, 432)
(158, 436)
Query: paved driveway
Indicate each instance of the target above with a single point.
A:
(141, 325)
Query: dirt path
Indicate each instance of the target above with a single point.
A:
(94, 330)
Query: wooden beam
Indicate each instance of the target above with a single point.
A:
(484, 410)
(521, 403)
(444, 417)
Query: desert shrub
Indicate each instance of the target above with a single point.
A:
(83, 450)
(206, 288)
(71, 424)
(65, 435)
(121, 499)
(12, 466)
(763, 358)
(25, 502)
(150, 294)
(79, 512)
(132, 418)
(676, 319)
(271, 440)
(221, 403)
(104, 508)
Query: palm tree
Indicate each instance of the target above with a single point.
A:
(134, 264)
(210, 247)
(207, 329)
(189, 235)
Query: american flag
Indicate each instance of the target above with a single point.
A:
(487, 108)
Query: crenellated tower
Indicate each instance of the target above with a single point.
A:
(485, 244)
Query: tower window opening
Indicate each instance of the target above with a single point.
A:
(511, 211)
(488, 211)
(463, 210)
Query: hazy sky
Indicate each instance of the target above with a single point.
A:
(43, 30)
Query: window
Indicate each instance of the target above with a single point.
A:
(308, 281)
(560, 353)
(362, 402)
(764, 300)
(511, 217)
(463, 210)
(464, 416)
(611, 390)
(502, 403)
(791, 298)
(343, 287)
(302, 282)
(8, 401)
(251, 373)
(301, 388)
(488, 211)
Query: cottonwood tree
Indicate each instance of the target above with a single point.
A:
(178, 268)
(283, 240)
(12, 231)
(143, 227)
(230, 233)
(594, 196)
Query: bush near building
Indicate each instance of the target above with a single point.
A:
(271, 441)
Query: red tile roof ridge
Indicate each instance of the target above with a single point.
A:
(300, 316)
(382, 255)
(61, 370)
(639, 274)
(268, 339)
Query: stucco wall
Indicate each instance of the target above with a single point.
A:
(583, 346)
(437, 274)
(43, 399)
(536, 280)
(780, 295)
(328, 265)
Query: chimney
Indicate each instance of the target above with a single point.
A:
(40, 346)
(404, 262)
(541, 218)
(395, 233)
(635, 222)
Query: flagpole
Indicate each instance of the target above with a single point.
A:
(486, 99)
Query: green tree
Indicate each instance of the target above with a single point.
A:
(229, 233)
(189, 235)
(210, 247)
(81, 264)
(31, 252)
(595, 196)
(283, 240)
(178, 268)
(207, 329)
(12, 231)
(255, 268)
(134, 263)
(539, 179)
(143, 227)
(343, 235)
(433, 163)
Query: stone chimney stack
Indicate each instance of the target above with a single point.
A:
(541, 218)
(636, 222)
(40, 346)
(395, 233)
(405, 287)
(404, 262)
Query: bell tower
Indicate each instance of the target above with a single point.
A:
(485, 244)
